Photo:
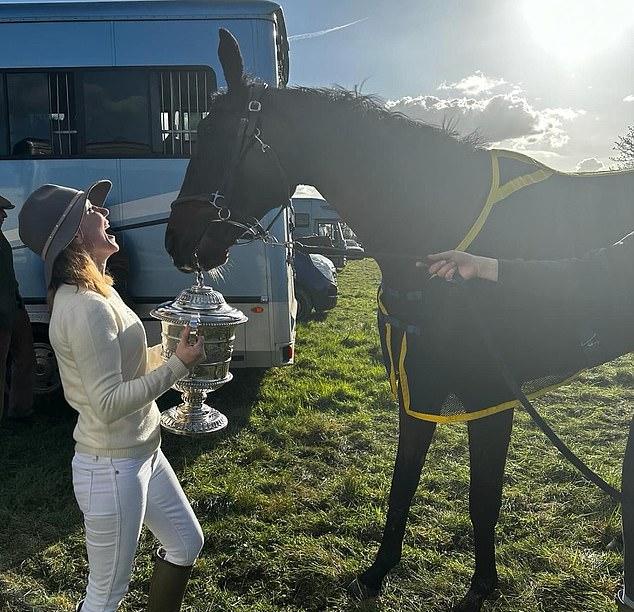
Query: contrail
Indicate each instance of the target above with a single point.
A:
(323, 32)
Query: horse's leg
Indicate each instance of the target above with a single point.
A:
(627, 511)
(488, 446)
(414, 439)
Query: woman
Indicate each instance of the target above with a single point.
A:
(598, 289)
(120, 476)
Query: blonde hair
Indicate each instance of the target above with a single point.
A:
(74, 266)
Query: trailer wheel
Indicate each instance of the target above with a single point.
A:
(47, 381)
(304, 305)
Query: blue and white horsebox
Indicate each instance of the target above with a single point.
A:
(115, 90)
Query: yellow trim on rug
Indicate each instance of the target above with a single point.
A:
(403, 384)
(388, 342)
(485, 412)
(402, 372)
(498, 192)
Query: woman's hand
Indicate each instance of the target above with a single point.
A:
(446, 264)
(190, 354)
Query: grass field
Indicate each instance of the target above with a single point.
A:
(292, 498)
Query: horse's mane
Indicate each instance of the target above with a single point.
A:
(373, 107)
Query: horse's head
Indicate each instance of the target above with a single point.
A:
(232, 178)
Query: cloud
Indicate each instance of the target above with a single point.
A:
(474, 84)
(591, 164)
(499, 118)
(308, 35)
(506, 118)
(629, 98)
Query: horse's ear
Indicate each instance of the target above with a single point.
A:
(231, 60)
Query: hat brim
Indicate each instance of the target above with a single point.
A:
(4, 203)
(97, 194)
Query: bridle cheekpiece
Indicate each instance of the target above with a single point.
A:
(249, 133)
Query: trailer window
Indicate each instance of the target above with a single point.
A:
(40, 117)
(326, 228)
(96, 112)
(184, 101)
(28, 102)
(116, 111)
(63, 114)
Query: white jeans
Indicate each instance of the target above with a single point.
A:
(118, 496)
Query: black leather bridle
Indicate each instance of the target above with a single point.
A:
(248, 135)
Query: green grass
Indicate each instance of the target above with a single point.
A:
(292, 498)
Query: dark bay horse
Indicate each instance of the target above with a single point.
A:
(407, 189)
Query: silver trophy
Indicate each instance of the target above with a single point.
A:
(210, 316)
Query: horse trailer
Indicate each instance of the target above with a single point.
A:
(115, 90)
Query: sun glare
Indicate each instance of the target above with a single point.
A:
(574, 30)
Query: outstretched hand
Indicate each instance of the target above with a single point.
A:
(448, 263)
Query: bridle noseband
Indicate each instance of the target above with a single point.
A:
(248, 135)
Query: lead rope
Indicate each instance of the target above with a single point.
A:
(515, 388)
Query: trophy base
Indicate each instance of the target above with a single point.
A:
(182, 421)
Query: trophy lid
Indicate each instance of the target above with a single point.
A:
(199, 304)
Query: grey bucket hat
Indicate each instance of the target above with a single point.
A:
(4, 203)
(50, 218)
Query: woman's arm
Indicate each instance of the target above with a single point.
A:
(95, 348)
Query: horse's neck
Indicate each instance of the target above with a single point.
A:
(399, 190)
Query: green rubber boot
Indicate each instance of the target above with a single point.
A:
(168, 585)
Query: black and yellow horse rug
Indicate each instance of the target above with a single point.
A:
(434, 355)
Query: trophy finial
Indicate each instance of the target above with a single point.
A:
(200, 279)
(200, 274)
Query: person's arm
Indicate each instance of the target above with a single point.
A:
(563, 279)
(603, 275)
(95, 348)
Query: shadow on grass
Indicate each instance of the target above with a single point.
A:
(235, 400)
(37, 505)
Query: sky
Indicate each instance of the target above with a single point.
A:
(550, 78)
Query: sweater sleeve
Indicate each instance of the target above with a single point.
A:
(96, 352)
(601, 280)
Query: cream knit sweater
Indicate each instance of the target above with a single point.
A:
(106, 371)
